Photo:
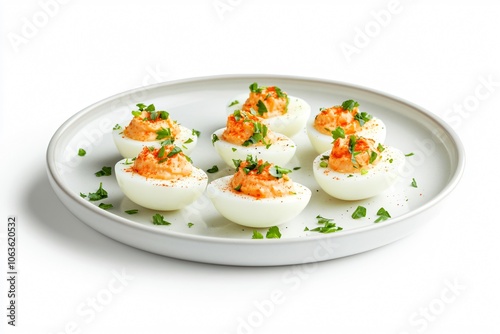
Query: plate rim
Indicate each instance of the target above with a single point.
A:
(445, 191)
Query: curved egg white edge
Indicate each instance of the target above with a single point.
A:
(248, 211)
(384, 174)
(178, 191)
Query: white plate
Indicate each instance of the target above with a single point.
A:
(200, 103)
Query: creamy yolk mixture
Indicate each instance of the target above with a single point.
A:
(143, 128)
(259, 183)
(157, 164)
(275, 105)
(241, 126)
(331, 118)
(348, 158)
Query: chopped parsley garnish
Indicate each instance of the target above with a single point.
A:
(238, 187)
(196, 132)
(373, 157)
(214, 169)
(174, 151)
(409, 154)
(360, 212)
(261, 167)
(297, 168)
(257, 235)
(349, 105)
(105, 171)
(153, 113)
(383, 215)
(362, 117)
(142, 107)
(158, 219)
(167, 142)
(105, 206)
(132, 211)
(234, 149)
(164, 133)
(338, 133)
(117, 127)
(161, 152)
(190, 224)
(380, 147)
(261, 108)
(237, 115)
(324, 161)
(81, 152)
(273, 233)
(99, 194)
(237, 162)
(328, 226)
(254, 88)
(253, 164)
(259, 134)
(414, 183)
(278, 171)
(214, 138)
(235, 102)
(279, 92)
(189, 141)
(352, 145)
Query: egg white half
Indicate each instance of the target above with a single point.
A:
(162, 195)
(130, 148)
(279, 153)
(248, 211)
(374, 129)
(355, 186)
(288, 124)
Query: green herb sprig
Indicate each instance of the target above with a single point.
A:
(328, 226)
(382, 215)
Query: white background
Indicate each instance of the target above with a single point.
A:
(59, 57)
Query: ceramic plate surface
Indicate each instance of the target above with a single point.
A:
(198, 232)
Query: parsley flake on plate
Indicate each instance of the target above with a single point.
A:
(328, 226)
(360, 212)
(158, 219)
(99, 194)
(382, 215)
(105, 171)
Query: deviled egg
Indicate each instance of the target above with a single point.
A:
(349, 118)
(356, 168)
(260, 194)
(161, 178)
(245, 134)
(281, 113)
(150, 127)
